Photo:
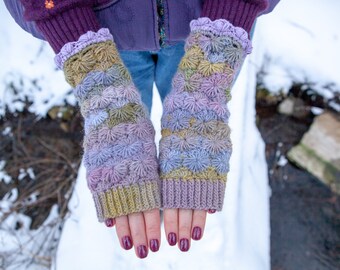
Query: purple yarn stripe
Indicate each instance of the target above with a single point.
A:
(189, 105)
(193, 194)
(141, 130)
(112, 77)
(99, 208)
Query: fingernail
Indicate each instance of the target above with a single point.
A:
(154, 245)
(127, 243)
(184, 244)
(172, 239)
(142, 251)
(196, 233)
(109, 222)
(211, 211)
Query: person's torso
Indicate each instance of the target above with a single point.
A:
(148, 25)
(136, 24)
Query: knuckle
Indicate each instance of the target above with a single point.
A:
(153, 230)
(170, 223)
(138, 234)
(184, 228)
(199, 220)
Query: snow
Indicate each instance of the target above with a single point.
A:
(298, 42)
(7, 201)
(335, 106)
(3, 175)
(28, 71)
(317, 110)
(282, 161)
(7, 131)
(28, 172)
(23, 248)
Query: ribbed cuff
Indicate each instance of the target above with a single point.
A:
(241, 13)
(68, 26)
(125, 200)
(193, 194)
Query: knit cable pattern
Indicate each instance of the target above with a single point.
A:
(195, 147)
(119, 149)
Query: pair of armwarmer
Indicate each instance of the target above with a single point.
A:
(124, 173)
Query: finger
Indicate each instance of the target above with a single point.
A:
(110, 222)
(137, 227)
(184, 228)
(153, 228)
(198, 224)
(123, 232)
(211, 211)
(171, 225)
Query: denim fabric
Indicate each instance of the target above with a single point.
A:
(148, 67)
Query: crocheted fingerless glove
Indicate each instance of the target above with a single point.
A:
(119, 149)
(195, 147)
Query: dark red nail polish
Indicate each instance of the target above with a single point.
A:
(154, 245)
(184, 244)
(211, 211)
(127, 243)
(196, 233)
(109, 222)
(142, 251)
(172, 239)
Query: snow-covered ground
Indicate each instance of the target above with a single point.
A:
(298, 42)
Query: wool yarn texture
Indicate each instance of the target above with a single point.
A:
(195, 147)
(119, 149)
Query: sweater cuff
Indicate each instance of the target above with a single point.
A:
(68, 26)
(241, 13)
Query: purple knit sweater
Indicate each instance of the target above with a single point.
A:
(241, 13)
(122, 16)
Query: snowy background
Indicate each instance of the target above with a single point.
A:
(298, 42)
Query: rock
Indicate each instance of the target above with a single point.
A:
(294, 107)
(286, 107)
(267, 98)
(61, 112)
(319, 150)
(53, 112)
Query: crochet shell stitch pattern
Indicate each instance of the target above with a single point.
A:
(120, 154)
(195, 147)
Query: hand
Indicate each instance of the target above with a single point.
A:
(141, 230)
(182, 225)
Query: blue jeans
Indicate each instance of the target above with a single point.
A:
(147, 67)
